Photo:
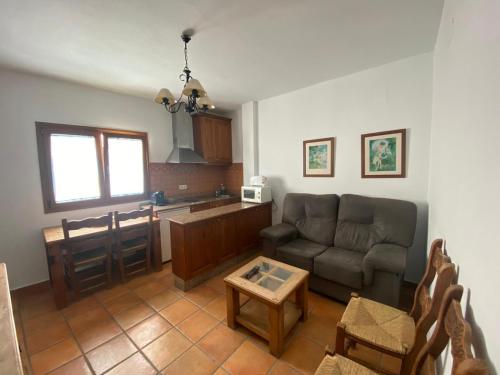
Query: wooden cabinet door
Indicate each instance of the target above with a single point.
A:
(201, 247)
(227, 246)
(249, 222)
(224, 148)
(245, 222)
(204, 133)
(212, 138)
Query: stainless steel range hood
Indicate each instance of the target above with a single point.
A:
(182, 132)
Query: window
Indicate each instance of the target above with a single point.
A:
(87, 167)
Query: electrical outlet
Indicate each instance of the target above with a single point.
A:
(183, 187)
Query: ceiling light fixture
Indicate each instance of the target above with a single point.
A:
(197, 98)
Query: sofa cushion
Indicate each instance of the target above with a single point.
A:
(315, 216)
(364, 222)
(386, 258)
(279, 233)
(340, 266)
(299, 253)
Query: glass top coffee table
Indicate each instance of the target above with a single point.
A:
(269, 313)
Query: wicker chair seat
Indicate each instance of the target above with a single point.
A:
(339, 365)
(379, 324)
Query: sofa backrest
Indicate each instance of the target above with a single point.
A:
(315, 216)
(365, 221)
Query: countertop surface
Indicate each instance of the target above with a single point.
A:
(186, 202)
(212, 212)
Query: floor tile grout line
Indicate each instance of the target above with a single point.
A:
(101, 303)
(156, 312)
(79, 346)
(208, 354)
(200, 307)
(139, 350)
(73, 336)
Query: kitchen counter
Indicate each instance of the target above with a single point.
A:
(205, 243)
(194, 217)
(187, 202)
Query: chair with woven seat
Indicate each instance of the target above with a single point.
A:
(392, 331)
(133, 242)
(450, 325)
(339, 365)
(87, 259)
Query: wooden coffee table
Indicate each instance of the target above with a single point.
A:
(268, 313)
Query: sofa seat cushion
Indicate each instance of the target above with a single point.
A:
(299, 253)
(341, 266)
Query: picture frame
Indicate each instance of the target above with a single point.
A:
(319, 157)
(383, 154)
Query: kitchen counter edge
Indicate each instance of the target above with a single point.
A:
(211, 213)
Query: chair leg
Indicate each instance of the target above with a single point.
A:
(340, 339)
(108, 271)
(75, 283)
(121, 266)
(148, 259)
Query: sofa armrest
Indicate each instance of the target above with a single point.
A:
(384, 257)
(279, 233)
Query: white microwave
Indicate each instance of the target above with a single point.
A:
(256, 194)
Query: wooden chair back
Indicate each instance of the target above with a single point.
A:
(436, 259)
(88, 240)
(426, 307)
(144, 230)
(451, 325)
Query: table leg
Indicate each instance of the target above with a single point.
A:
(277, 329)
(301, 299)
(57, 274)
(233, 305)
(157, 247)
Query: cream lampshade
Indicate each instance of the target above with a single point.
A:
(164, 93)
(194, 84)
(205, 102)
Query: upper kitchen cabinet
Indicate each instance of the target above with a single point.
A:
(212, 138)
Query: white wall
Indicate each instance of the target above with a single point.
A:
(465, 175)
(25, 99)
(249, 129)
(392, 96)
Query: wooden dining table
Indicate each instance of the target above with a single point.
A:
(54, 238)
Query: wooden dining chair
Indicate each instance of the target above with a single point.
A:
(392, 331)
(450, 327)
(87, 253)
(133, 242)
(337, 364)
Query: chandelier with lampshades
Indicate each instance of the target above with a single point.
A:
(196, 98)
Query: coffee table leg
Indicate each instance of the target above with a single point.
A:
(233, 305)
(277, 329)
(301, 299)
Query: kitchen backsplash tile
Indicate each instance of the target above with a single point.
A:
(201, 179)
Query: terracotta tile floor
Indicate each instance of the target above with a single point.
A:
(147, 326)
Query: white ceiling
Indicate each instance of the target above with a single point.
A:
(243, 49)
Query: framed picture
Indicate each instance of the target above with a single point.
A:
(383, 154)
(319, 157)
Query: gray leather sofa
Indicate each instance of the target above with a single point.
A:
(348, 244)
